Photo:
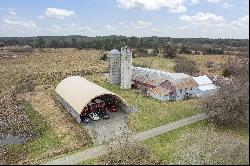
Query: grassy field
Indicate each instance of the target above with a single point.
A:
(159, 63)
(200, 143)
(152, 113)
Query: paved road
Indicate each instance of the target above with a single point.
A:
(100, 150)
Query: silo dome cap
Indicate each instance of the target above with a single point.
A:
(114, 51)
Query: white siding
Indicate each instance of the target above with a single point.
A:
(126, 68)
(114, 67)
(157, 96)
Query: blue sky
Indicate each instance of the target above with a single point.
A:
(171, 18)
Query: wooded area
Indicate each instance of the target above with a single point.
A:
(186, 45)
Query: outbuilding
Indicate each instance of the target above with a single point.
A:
(206, 86)
(76, 93)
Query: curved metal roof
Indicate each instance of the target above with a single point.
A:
(78, 92)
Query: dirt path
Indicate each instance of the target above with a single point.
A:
(100, 150)
(102, 131)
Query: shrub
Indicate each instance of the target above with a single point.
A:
(230, 104)
(169, 51)
(209, 64)
(154, 52)
(140, 52)
(227, 73)
(104, 57)
(185, 50)
(187, 66)
(128, 152)
(25, 85)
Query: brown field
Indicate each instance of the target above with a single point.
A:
(50, 62)
(218, 62)
(161, 63)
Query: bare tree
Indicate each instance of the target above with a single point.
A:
(230, 104)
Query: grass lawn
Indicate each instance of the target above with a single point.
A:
(202, 143)
(158, 62)
(152, 113)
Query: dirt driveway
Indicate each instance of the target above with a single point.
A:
(107, 130)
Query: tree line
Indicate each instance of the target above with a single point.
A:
(210, 46)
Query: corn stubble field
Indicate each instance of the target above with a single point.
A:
(28, 108)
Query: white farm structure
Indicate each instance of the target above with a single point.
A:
(160, 85)
(120, 67)
(206, 86)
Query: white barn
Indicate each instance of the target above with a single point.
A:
(162, 85)
(206, 86)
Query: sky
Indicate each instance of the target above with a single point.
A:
(163, 18)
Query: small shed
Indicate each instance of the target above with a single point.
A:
(75, 93)
(206, 86)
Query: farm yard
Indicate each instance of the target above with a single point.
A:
(27, 87)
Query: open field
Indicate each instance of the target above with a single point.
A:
(197, 144)
(217, 63)
(33, 77)
(161, 63)
(48, 63)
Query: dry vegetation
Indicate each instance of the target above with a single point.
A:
(230, 104)
(218, 62)
(49, 65)
(207, 64)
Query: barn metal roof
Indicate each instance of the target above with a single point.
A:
(78, 92)
(115, 52)
(156, 77)
(204, 83)
(202, 80)
(207, 87)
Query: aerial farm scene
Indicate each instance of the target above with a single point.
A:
(121, 82)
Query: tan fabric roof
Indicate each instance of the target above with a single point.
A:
(78, 92)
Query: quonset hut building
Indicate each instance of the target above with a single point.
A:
(75, 93)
